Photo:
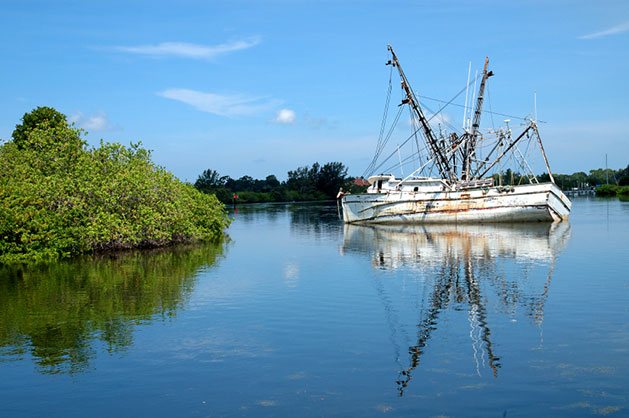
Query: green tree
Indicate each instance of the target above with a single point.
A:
(42, 117)
(331, 178)
(300, 179)
(272, 182)
(209, 181)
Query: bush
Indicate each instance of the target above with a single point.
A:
(606, 190)
(58, 198)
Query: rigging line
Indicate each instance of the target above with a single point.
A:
(384, 121)
(394, 152)
(386, 105)
(386, 110)
(483, 111)
(405, 161)
(382, 143)
(454, 129)
(370, 170)
(490, 109)
(386, 139)
(411, 136)
(404, 143)
(450, 101)
(414, 128)
(414, 133)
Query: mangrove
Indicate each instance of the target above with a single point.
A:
(59, 197)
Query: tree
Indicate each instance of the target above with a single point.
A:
(209, 181)
(272, 182)
(43, 117)
(300, 180)
(331, 178)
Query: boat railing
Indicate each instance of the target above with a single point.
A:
(475, 184)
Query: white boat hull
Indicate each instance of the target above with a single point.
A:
(525, 203)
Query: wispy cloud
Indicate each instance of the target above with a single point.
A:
(285, 117)
(97, 122)
(187, 50)
(318, 123)
(623, 27)
(222, 105)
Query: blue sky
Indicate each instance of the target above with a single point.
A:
(262, 87)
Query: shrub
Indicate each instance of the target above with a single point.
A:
(58, 198)
(606, 190)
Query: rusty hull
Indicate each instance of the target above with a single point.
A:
(525, 203)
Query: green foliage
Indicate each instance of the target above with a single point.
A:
(611, 190)
(607, 190)
(331, 178)
(44, 118)
(303, 184)
(58, 198)
(209, 181)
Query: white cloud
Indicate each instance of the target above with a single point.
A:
(434, 119)
(285, 117)
(442, 118)
(97, 122)
(222, 105)
(187, 50)
(623, 27)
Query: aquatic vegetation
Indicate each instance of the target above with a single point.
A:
(58, 198)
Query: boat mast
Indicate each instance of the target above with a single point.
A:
(441, 160)
(470, 146)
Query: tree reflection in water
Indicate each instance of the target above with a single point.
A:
(457, 266)
(58, 311)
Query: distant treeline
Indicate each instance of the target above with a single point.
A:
(606, 182)
(579, 179)
(323, 182)
(303, 184)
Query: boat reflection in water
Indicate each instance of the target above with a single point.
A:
(470, 268)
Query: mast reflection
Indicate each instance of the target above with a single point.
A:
(459, 267)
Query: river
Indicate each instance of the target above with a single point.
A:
(296, 314)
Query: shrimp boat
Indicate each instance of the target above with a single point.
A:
(455, 179)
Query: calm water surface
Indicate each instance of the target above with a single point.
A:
(298, 315)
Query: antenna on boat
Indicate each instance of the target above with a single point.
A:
(535, 103)
(469, 118)
(469, 70)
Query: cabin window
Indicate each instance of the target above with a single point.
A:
(415, 188)
(379, 184)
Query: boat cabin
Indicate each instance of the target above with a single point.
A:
(388, 183)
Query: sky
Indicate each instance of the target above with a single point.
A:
(263, 87)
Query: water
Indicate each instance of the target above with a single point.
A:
(297, 315)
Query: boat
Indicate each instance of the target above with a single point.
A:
(456, 180)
